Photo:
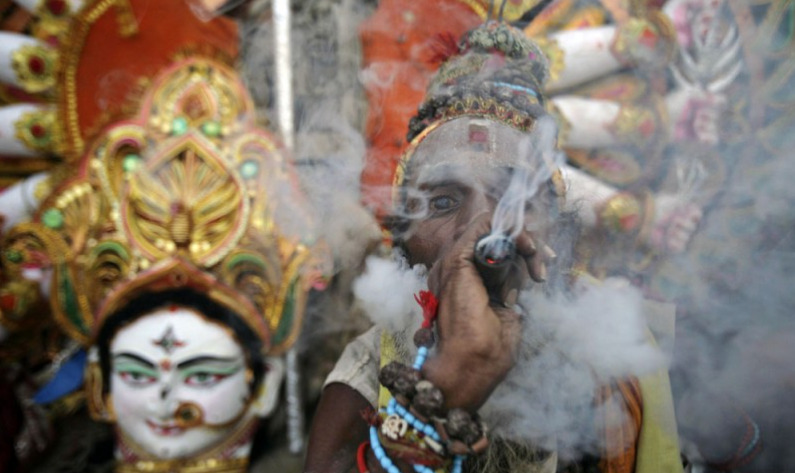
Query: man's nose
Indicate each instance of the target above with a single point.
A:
(478, 203)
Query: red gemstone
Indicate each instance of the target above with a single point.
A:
(56, 7)
(36, 65)
(37, 131)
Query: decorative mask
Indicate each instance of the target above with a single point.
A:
(180, 246)
(198, 384)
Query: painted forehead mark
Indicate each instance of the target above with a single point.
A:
(479, 137)
(168, 341)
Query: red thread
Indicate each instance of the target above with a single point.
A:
(370, 416)
(429, 305)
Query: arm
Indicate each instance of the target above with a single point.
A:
(337, 430)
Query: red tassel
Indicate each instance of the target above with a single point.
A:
(429, 305)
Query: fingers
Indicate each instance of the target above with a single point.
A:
(682, 228)
(464, 248)
(462, 252)
(460, 258)
(526, 245)
(536, 254)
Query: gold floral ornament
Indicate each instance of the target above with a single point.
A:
(24, 251)
(52, 19)
(187, 193)
(37, 130)
(645, 42)
(189, 204)
(35, 67)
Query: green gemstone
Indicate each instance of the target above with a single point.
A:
(211, 129)
(52, 218)
(131, 162)
(249, 169)
(179, 126)
(14, 256)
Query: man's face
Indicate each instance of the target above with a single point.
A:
(458, 173)
(179, 383)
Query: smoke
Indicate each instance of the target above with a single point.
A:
(732, 287)
(385, 291)
(539, 149)
(570, 347)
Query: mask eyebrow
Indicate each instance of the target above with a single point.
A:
(205, 359)
(127, 356)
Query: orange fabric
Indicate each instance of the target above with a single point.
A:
(620, 425)
(111, 66)
(397, 48)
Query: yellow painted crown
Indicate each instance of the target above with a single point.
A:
(190, 192)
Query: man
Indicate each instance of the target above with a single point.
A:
(478, 136)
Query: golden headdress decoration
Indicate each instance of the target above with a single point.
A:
(185, 190)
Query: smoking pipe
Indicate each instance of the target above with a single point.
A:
(494, 256)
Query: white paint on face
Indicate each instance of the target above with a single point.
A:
(169, 358)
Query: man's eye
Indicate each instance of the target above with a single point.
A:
(442, 203)
(135, 378)
(204, 379)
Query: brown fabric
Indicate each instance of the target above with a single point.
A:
(623, 414)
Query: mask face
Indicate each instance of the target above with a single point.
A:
(179, 383)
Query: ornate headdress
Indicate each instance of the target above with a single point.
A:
(496, 74)
(170, 181)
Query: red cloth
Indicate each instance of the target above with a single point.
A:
(111, 67)
(398, 47)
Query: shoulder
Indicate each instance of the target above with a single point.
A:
(358, 365)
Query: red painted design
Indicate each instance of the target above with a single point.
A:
(478, 136)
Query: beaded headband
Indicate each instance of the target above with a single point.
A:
(497, 74)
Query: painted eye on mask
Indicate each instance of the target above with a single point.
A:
(204, 379)
(137, 378)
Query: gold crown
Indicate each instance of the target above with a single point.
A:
(187, 193)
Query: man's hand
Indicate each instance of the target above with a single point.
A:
(478, 338)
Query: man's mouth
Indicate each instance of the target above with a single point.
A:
(166, 430)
